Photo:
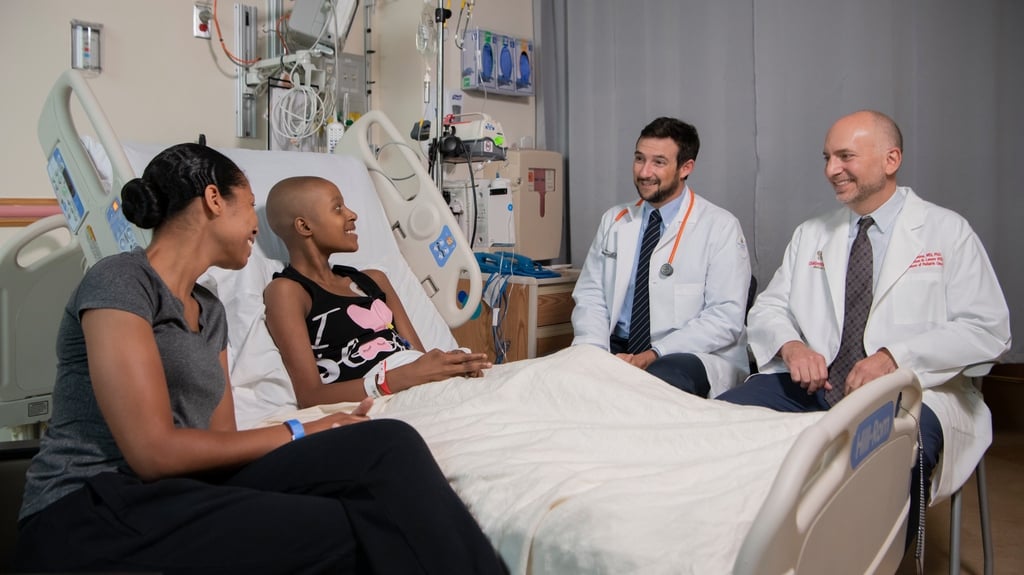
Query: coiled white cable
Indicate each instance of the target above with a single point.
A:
(299, 113)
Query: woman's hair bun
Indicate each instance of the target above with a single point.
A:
(143, 206)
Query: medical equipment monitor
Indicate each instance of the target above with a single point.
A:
(311, 23)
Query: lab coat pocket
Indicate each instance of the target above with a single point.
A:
(919, 300)
(689, 300)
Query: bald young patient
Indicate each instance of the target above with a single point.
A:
(343, 333)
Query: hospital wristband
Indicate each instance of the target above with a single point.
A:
(370, 381)
(382, 382)
(298, 431)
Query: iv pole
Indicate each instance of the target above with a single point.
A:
(441, 14)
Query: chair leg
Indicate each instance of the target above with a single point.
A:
(986, 531)
(956, 509)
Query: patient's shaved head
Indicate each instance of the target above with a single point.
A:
(289, 199)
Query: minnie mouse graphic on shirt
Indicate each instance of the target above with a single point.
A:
(376, 340)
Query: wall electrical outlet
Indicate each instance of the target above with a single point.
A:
(202, 19)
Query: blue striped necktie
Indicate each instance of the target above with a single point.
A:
(640, 315)
(859, 272)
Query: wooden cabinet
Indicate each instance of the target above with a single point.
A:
(537, 321)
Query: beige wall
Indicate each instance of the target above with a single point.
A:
(159, 84)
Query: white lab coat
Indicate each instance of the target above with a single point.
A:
(698, 309)
(937, 308)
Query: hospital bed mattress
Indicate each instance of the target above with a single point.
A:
(580, 463)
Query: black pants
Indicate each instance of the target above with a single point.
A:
(681, 370)
(364, 498)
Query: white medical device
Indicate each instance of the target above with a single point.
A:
(482, 138)
(311, 22)
(535, 182)
(501, 212)
(485, 213)
(309, 68)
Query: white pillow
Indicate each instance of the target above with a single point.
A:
(260, 382)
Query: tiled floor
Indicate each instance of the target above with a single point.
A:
(1004, 465)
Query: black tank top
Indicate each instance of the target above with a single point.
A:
(349, 334)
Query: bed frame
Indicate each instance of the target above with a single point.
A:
(840, 501)
(39, 267)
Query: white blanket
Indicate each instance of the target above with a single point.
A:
(580, 463)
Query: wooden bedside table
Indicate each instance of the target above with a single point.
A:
(537, 322)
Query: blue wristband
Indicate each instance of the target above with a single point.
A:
(298, 432)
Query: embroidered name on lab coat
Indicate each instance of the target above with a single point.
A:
(928, 259)
(817, 262)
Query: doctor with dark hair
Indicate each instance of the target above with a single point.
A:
(665, 282)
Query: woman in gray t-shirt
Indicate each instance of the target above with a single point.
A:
(142, 466)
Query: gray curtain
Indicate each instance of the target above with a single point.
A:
(764, 79)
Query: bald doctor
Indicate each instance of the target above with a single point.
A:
(932, 302)
(691, 333)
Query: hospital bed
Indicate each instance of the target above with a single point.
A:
(578, 462)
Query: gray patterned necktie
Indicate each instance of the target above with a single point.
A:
(640, 315)
(859, 272)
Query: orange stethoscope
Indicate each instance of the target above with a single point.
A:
(666, 268)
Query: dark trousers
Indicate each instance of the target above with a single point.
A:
(681, 370)
(778, 391)
(364, 498)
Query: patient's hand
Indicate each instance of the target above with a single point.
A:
(479, 372)
(806, 366)
(436, 365)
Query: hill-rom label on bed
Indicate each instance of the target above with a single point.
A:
(871, 433)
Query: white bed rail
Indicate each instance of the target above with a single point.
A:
(424, 227)
(840, 501)
(95, 218)
(38, 271)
